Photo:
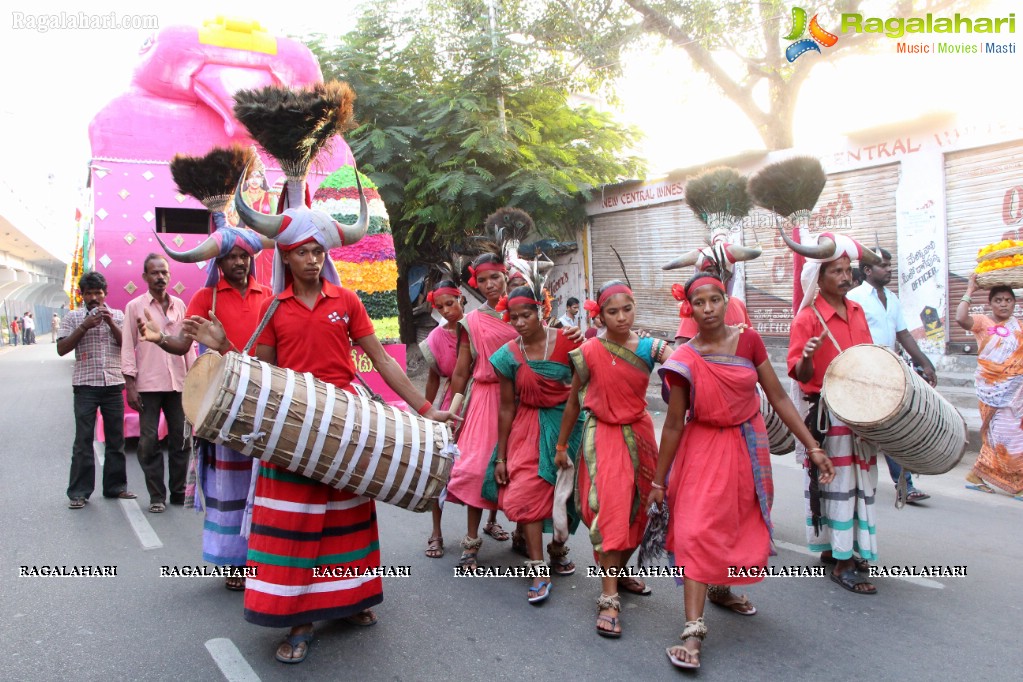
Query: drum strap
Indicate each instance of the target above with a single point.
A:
(262, 325)
(825, 325)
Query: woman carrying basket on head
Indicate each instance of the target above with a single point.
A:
(999, 390)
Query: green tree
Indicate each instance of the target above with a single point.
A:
(437, 141)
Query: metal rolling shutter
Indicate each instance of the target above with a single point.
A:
(646, 239)
(983, 204)
(856, 203)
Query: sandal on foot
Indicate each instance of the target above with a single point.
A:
(560, 563)
(495, 531)
(363, 618)
(722, 595)
(633, 586)
(605, 602)
(694, 629)
(980, 487)
(157, 508)
(850, 581)
(295, 641)
(862, 565)
(915, 496)
(540, 593)
(235, 583)
(77, 503)
(435, 547)
(470, 547)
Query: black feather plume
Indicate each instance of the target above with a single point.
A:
(294, 125)
(788, 186)
(211, 178)
(719, 190)
(508, 223)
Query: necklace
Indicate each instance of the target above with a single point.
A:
(546, 343)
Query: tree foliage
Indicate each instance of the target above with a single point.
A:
(435, 138)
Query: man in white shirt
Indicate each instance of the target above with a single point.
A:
(888, 328)
(571, 317)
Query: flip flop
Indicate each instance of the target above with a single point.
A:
(631, 585)
(157, 508)
(862, 565)
(678, 662)
(293, 641)
(735, 604)
(540, 597)
(362, 619)
(849, 580)
(916, 496)
(980, 487)
(77, 503)
(235, 584)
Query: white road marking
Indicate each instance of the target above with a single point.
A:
(916, 580)
(230, 661)
(100, 450)
(145, 533)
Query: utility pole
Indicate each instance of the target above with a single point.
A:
(502, 121)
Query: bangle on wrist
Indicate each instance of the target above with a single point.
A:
(500, 461)
(560, 448)
(657, 486)
(427, 406)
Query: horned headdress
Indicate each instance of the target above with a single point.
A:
(719, 199)
(211, 179)
(790, 189)
(293, 126)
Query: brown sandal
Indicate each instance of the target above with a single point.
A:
(435, 547)
(605, 602)
(722, 595)
(495, 531)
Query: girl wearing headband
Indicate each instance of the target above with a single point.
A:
(440, 349)
(486, 333)
(535, 377)
(619, 450)
(720, 490)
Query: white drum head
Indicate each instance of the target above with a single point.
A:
(202, 383)
(865, 384)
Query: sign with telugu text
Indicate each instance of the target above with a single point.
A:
(364, 366)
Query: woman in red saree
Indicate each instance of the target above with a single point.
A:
(440, 349)
(720, 489)
(618, 451)
(536, 377)
(487, 332)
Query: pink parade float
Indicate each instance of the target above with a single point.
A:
(180, 101)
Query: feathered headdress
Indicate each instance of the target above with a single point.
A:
(446, 274)
(538, 295)
(718, 197)
(210, 179)
(293, 126)
(791, 189)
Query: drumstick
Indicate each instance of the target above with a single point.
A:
(456, 403)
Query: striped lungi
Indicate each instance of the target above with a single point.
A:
(848, 513)
(225, 476)
(299, 525)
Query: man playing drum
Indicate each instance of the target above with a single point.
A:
(840, 514)
(888, 328)
(304, 533)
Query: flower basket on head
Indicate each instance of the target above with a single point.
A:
(1003, 249)
(1010, 277)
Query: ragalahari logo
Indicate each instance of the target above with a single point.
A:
(804, 45)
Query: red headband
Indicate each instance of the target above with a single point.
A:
(442, 291)
(483, 267)
(685, 308)
(506, 303)
(611, 291)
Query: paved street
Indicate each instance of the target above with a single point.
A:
(138, 626)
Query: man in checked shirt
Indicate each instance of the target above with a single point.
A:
(93, 332)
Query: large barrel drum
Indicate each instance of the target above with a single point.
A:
(882, 400)
(781, 439)
(319, 431)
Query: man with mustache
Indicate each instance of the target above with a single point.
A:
(231, 301)
(840, 515)
(154, 381)
(888, 328)
(93, 332)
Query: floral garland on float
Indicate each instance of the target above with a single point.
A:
(1000, 263)
(367, 267)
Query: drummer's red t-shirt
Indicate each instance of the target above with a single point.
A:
(317, 340)
(847, 333)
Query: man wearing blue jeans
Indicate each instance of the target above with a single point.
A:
(93, 332)
(888, 328)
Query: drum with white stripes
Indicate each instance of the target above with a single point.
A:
(313, 428)
(781, 439)
(882, 400)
